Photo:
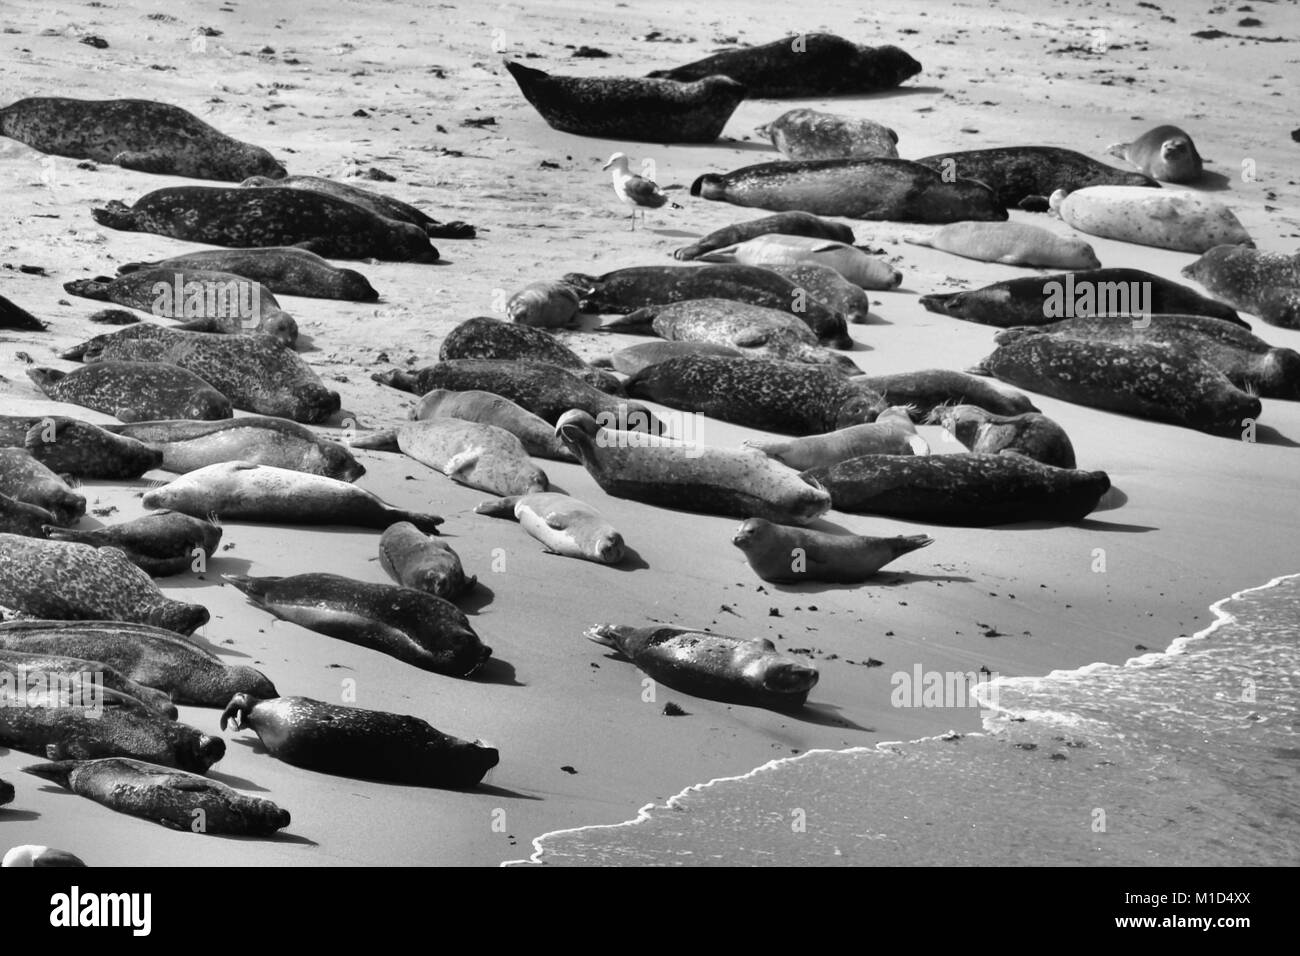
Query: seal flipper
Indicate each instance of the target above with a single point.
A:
(425, 522)
(13, 316)
(57, 771)
(450, 230)
(498, 507)
(254, 588)
(980, 369)
(143, 162)
(45, 378)
(385, 440)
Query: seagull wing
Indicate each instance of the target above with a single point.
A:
(644, 192)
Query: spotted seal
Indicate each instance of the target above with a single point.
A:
(415, 560)
(19, 517)
(892, 433)
(810, 134)
(537, 437)
(379, 204)
(849, 261)
(1265, 284)
(141, 135)
(823, 284)
(66, 581)
(1165, 153)
(785, 223)
(68, 446)
(286, 270)
(14, 316)
(410, 625)
(1010, 243)
(1031, 434)
(484, 337)
(1169, 219)
(922, 390)
(23, 478)
(780, 554)
(631, 108)
(160, 544)
(563, 525)
(230, 216)
(134, 391)
(544, 305)
(352, 742)
(109, 678)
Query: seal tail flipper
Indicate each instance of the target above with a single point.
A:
(255, 588)
(688, 252)
(15, 317)
(45, 377)
(768, 446)
(943, 303)
(709, 186)
(236, 711)
(396, 378)
(425, 522)
(721, 254)
(116, 215)
(902, 544)
(604, 634)
(1119, 150)
(385, 440)
(58, 771)
(637, 322)
(498, 507)
(129, 267)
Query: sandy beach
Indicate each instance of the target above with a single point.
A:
(419, 92)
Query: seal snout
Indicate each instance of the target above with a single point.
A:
(209, 750)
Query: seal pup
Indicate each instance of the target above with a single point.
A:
(725, 481)
(780, 554)
(140, 135)
(19, 517)
(1168, 219)
(410, 625)
(892, 433)
(972, 490)
(849, 261)
(629, 107)
(564, 525)
(160, 544)
(378, 203)
(285, 270)
(633, 189)
(1151, 380)
(785, 223)
(1265, 284)
(882, 189)
(134, 391)
(13, 316)
(66, 581)
(243, 218)
(922, 391)
(537, 437)
(25, 479)
(809, 64)
(1039, 300)
(484, 337)
(634, 358)
(733, 670)
(31, 855)
(69, 446)
(75, 669)
(1165, 153)
(823, 284)
(189, 445)
(1031, 434)
(809, 134)
(470, 453)
(785, 397)
(1011, 244)
(353, 742)
(243, 491)
(173, 798)
(544, 305)
(153, 656)
(1025, 176)
(415, 560)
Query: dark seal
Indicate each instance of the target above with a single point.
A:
(1031, 434)
(160, 544)
(68, 446)
(286, 270)
(134, 391)
(379, 204)
(25, 479)
(1266, 284)
(484, 337)
(13, 316)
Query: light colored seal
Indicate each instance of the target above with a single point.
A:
(30, 855)
(725, 481)
(471, 453)
(823, 284)
(160, 544)
(135, 134)
(1168, 219)
(1165, 153)
(415, 560)
(172, 798)
(1011, 244)
(809, 134)
(352, 742)
(544, 305)
(243, 491)
(68, 446)
(785, 223)
(563, 525)
(1031, 434)
(381, 205)
(1266, 284)
(537, 437)
(285, 270)
(634, 358)
(135, 391)
(25, 479)
(780, 554)
(773, 249)
(733, 670)
(892, 433)
(79, 671)
(66, 581)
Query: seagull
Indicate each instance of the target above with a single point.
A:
(634, 189)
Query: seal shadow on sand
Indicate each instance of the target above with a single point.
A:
(1210, 182)
(12, 815)
(882, 579)
(1268, 435)
(496, 671)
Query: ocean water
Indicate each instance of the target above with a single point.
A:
(1187, 757)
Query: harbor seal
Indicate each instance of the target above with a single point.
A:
(564, 525)
(160, 544)
(1168, 219)
(153, 656)
(892, 433)
(785, 223)
(285, 270)
(141, 135)
(255, 372)
(1011, 244)
(68, 446)
(484, 337)
(883, 189)
(134, 391)
(243, 491)
(631, 108)
(544, 305)
(1151, 380)
(76, 670)
(14, 316)
(189, 445)
(173, 798)
(921, 391)
(1265, 284)
(410, 625)
(1031, 434)
(725, 481)
(809, 64)
(30, 855)
(761, 393)
(733, 670)
(780, 554)
(634, 358)
(971, 490)
(230, 216)
(1039, 300)
(849, 261)
(19, 517)
(379, 204)
(537, 437)
(415, 560)
(25, 479)
(1165, 153)
(826, 286)
(352, 742)
(65, 581)
(1025, 176)
(809, 134)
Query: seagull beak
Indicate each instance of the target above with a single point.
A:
(607, 165)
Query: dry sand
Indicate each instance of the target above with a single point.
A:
(1204, 516)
